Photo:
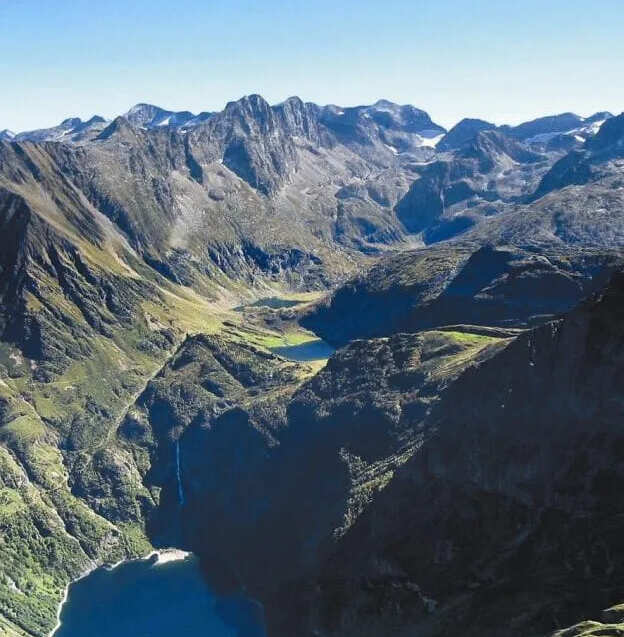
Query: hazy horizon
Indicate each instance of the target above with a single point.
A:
(452, 59)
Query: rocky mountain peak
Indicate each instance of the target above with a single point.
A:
(120, 126)
(463, 132)
(248, 108)
(299, 118)
(382, 103)
(587, 163)
(96, 119)
(544, 125)
(146, 115)
(71, 130)
(600, 116)
(150, 116)
(489, 143)
(71, 122)
(385, 126)
(404, 118)
(609, 136)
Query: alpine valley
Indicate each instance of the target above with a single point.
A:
(367, 370)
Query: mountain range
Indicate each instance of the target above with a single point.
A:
(451, 469)
(541, 130)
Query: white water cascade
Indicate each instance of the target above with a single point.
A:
(179, 475)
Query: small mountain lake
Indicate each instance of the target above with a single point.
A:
(273, 302)
(314, 350)
(155, 597)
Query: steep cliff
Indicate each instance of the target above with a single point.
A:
(506, 520)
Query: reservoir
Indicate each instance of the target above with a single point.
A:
(155, 597)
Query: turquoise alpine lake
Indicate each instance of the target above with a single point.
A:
(155, 597)
(313, 350)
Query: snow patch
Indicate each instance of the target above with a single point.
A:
(431, 142)
(595, 127)
(542, 138)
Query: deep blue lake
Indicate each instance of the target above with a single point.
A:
(310, 351)
(142, 598)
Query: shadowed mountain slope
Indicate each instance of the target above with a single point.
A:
(505, 521)
(452, 284)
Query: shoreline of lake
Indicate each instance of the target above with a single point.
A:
(163, 556)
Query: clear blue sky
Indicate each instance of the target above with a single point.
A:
(503, 61)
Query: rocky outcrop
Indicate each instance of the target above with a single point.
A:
(610, 625)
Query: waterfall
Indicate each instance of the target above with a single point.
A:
(179, 475)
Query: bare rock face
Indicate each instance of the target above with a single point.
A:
(216, 194)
